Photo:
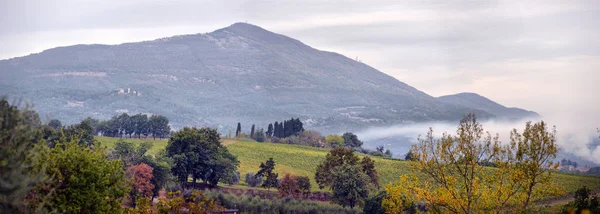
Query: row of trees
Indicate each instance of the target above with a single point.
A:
(139, 124)
(287, 128)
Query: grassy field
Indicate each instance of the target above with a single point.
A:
(303, 160)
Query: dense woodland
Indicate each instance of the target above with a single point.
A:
(47, 165)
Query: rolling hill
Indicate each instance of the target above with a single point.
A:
(303, 160)
(476, 101)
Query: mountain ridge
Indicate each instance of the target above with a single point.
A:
(241, 73)
(476, 101)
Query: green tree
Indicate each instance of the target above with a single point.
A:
(373, 204)
(252, 132)
(349, 186)
(276, 130)
(124, 124)
(583, 203)
(82, 180)
(336, 157)
(334, 140)
(82, 131)
(269, 130)
(266, 170)
(159, 126)
(199, 153)
(140, 124)
(351, 140)
(368, 167)
(260, 135)
(55, 124)
(304, 185)
(238, 130)
(18, 174)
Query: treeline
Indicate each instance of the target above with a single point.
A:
(287, 128)
(139, 124)
(292, 132)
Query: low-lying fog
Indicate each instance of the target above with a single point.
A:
(575, 138)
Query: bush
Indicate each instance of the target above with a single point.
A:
(583, 202)
(252, 180)
(254, 204)
(235, 178)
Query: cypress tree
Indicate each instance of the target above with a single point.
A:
(252, 132)
(238, 130)
(276, 129)
(269, 130)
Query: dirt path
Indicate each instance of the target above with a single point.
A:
(565, 199)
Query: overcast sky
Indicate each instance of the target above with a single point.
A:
(542, 56)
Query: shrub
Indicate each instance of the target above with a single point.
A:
(235, 178)
(254, 204)
(252, 180)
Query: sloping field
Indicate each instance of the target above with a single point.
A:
(303, 160)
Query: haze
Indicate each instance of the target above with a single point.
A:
(542, 56)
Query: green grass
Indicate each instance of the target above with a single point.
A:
(303, 160)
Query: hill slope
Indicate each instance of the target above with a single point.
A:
(303, 160)
(238, 73)
(476, 101)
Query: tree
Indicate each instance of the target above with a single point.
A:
(373, 204)
(82, 180)
(252, 132)
(456, 182)
(410, 156)
(276, 130)
(334, 140)
(82, 131)
(368, 167)
(18, 175)
(583, 203)
(336, 157)
(304, 185)
(535, 151)
(311, 138)
(142, 185)
(266, 170)
(260, 135)
(124, 125)
(288, 187)
(159, 126)
(351, 140)
(55, 124)
(269, 130)
(199, 153)
(131, 154)
(140, 124)
(238, 130)
(451, 163)
(349, 186)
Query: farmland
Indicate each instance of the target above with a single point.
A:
(302, 160)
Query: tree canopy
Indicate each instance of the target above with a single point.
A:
(199, 153)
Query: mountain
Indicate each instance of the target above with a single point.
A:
(476, 101)
(241, 73)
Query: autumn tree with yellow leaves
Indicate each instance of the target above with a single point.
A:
(449, 176)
